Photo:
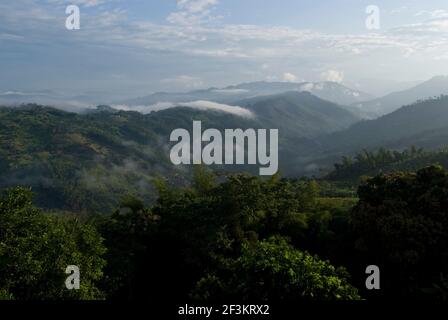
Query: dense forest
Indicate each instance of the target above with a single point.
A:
(86, 161)
(97, 190)
(370, 163)
(236, 237)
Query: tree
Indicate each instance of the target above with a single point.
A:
(128, 234)
(36, 248)
(401, 222)
(272, 270)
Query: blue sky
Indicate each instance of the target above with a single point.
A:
(135, 47)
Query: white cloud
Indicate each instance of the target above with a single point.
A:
(289, 77)
(439, 13)
(307, 87)
(192, 12)
(199, 105)
(269, 49)
(195, 6)
(332, 75)
(230, 41)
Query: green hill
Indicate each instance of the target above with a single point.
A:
(90, 161)
(371, 163)
(405, 127)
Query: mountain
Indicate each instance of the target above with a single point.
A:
(300, 118)
(299, 114)
(59, 99)
(335, 92)
(391, 102)
(424, 123)
(89, 161)
(330, 91)
(381, 87)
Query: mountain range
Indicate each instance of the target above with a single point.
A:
(357, 102)
(421, 124)
(330, 91)
(87, 160)
(361, 104)
(434, 87)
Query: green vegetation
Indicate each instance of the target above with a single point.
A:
(243, 238)
(36, 248)
(402, 222)
(108, 200)
(366, 164)
(272, 270)
(190, 236)
(88, 162)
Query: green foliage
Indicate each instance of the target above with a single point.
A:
(245, 238)
(195, 231)
(273, 270)
(401, 222)
(367, 163)
(81, 162)
(203, 179)
(35, 250)
(127, 234)
(86, 162)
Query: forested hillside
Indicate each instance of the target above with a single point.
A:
(245, 238)
(89, 161)
(370, 163)
(402, 128)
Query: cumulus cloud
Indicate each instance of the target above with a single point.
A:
(289, 77)
(307, 87)
(332, 75)
(198, 105)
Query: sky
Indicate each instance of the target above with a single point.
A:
(132, 48)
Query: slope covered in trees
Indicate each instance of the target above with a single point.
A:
(245, 238)
(370, 163)
(405, 127)
(87, 162)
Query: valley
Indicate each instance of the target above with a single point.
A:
(86, 161)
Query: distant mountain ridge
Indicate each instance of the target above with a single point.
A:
(331, 91)
(434, 87)
(403, 127)
(296, 113)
